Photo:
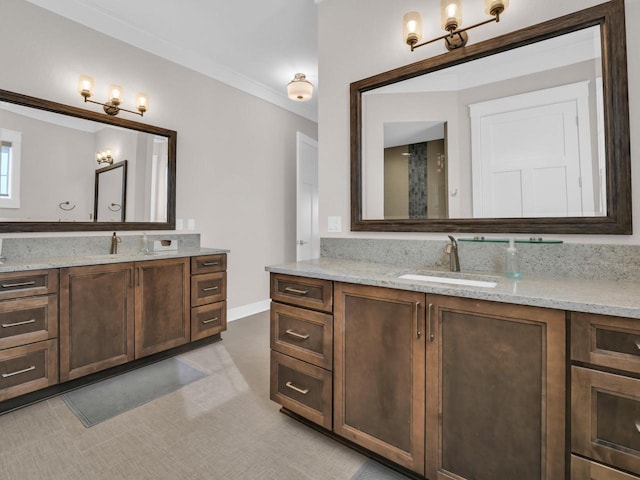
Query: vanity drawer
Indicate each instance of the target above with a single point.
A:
(208, 264)
(303, 334)
(28, 320)
(302, 291)
(28, 368)
(606, 341)
(208, 288)
(582, 469)
(208, 320)
(28, 284)
(302, 388)
(605, 418)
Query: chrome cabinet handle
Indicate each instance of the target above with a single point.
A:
(296, 291)
(303, 391)
(416, 308)
(296, 334)
(7, 375)
(210, 320)
(209, 289)
(638, 425)
(638, 344)
(429, 323)
(210, 264)
(19, 284)
(17, 324)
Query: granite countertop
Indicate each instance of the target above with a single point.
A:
(618, 298)
(9, 265)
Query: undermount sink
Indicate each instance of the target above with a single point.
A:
(452, 279)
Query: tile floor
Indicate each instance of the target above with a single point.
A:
(221, 427)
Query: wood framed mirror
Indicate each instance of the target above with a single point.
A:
(485, 165)
(48, 168)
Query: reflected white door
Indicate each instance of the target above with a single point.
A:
(308, 239)
(516, 175)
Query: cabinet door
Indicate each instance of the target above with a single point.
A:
(495, 390)
(379, 371)
(162, 305)
(96, 318)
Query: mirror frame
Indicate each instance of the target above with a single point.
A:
(38, 103)
(123, 188)
(611, 19)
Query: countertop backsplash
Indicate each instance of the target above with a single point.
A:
(588, 261)
(26, 248)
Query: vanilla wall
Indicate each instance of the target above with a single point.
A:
(357, 42)
(236, 153)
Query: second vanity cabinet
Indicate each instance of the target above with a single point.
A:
(112, 314)
(447, 387)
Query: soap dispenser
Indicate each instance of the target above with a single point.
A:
(512, 261)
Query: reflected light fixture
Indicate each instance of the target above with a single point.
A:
(104, 156)
(451, 21)
(300, 89)
(111, 106)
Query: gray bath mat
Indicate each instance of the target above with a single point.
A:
(372, 470)
(103, 400)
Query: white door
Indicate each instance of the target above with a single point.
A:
(308, 239)
(553, 179)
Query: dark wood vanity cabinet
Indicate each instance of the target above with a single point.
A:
(495, 390)
(379, 371)
(605, 399)
(96, 318)
(302, 346)
(208, 295)
(28, 331)
(112, 314)
(162, 312)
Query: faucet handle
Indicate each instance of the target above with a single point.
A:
(447, 248)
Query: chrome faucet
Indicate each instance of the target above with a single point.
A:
(452, 250)
(115, 240)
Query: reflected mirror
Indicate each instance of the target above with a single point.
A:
(110, 201)
(522, 133)
(50, 179)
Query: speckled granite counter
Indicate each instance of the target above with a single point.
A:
(99, 259)
(619, 298)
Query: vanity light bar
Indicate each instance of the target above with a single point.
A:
(112, 106)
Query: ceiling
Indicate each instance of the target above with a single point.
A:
(254, 45)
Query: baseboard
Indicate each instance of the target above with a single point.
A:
(246, 310)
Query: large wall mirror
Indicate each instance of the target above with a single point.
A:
(523, 133)
(49, 174)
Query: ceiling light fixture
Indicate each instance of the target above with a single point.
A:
(300, 89)
(451, 16)
(112, 106)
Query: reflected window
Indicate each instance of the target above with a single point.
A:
(9, 168)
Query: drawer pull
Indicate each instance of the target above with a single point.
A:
(210, 264)
(19, 284)
(638, 425)
(210, 320)
(303, 391)
(7, 375)
(296, 291)
(297, 335)
(638, 344)
(210, 289)
(17, 324)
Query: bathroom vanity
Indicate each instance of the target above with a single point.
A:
(534, 378)
(63, 319)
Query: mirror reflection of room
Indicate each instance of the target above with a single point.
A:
(415, 184)
(54, 163)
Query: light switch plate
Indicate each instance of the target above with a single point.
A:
(179, 224)
(334, 224)
(191, 224)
